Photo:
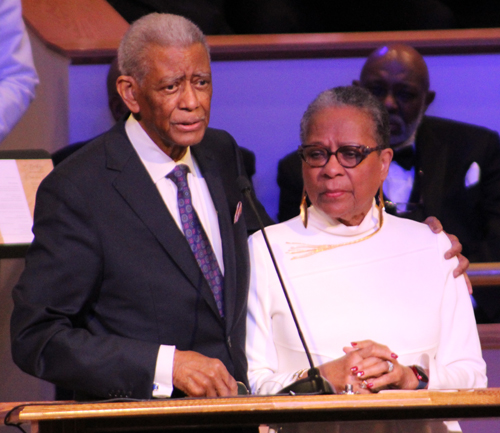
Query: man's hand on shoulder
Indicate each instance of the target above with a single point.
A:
(455, 250)
(200, 376)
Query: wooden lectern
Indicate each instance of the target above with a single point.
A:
(155, 415)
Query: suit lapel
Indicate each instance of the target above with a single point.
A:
(206, 162)
(432, 157)
(134, 184)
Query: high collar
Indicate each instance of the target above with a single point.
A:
(334, 227)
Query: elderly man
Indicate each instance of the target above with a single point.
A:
(442, 168)
(137, 279)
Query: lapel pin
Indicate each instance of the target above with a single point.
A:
(237, 214)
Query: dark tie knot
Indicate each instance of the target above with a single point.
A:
(405, 157)
(179, 175)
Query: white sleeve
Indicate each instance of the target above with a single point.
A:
(163, 381)
(458, 362)
(18, 77)
(261, 351)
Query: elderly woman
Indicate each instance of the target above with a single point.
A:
(377, 302)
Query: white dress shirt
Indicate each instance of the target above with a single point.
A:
(159, 165)
(18, 77)
(399, 183)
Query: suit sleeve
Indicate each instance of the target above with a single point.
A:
(54, 305)
(291, 185)
(489, 248)
(248, 162)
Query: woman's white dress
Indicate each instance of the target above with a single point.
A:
(394, 288)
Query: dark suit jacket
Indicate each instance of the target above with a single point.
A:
(110, 277)
(291, 185)
(445, 149)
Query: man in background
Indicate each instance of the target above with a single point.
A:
(136, 282)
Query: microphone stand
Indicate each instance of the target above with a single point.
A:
(314, 383)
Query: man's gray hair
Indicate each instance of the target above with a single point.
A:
(349, 96)
(165, 30)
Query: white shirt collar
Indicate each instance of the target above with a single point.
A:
(407, 143)
(157, 163)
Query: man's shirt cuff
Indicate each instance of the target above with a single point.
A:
(163, 381)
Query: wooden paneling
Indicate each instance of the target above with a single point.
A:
(89, 31)
(240, 47)
(484, 274)
(489, 334)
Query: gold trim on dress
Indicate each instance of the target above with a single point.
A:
(301, 250)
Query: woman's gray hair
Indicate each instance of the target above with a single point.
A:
(349, 96)
(165, 30)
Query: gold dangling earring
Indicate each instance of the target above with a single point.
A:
(303, 208)
(381, 205)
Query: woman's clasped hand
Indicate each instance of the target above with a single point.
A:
(369, 367)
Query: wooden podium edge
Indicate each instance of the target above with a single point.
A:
(435, 399)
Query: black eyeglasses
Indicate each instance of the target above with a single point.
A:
(348, 156)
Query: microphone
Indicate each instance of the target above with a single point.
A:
(313, 383)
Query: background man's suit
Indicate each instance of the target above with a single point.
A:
(446, 150)
(116, 277)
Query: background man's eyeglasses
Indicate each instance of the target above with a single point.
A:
(347, 156)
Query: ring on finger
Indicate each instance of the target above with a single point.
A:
(364, 384)
(390, 366)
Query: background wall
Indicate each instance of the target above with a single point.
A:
(261, 102)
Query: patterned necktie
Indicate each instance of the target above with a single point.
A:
(196, 236)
